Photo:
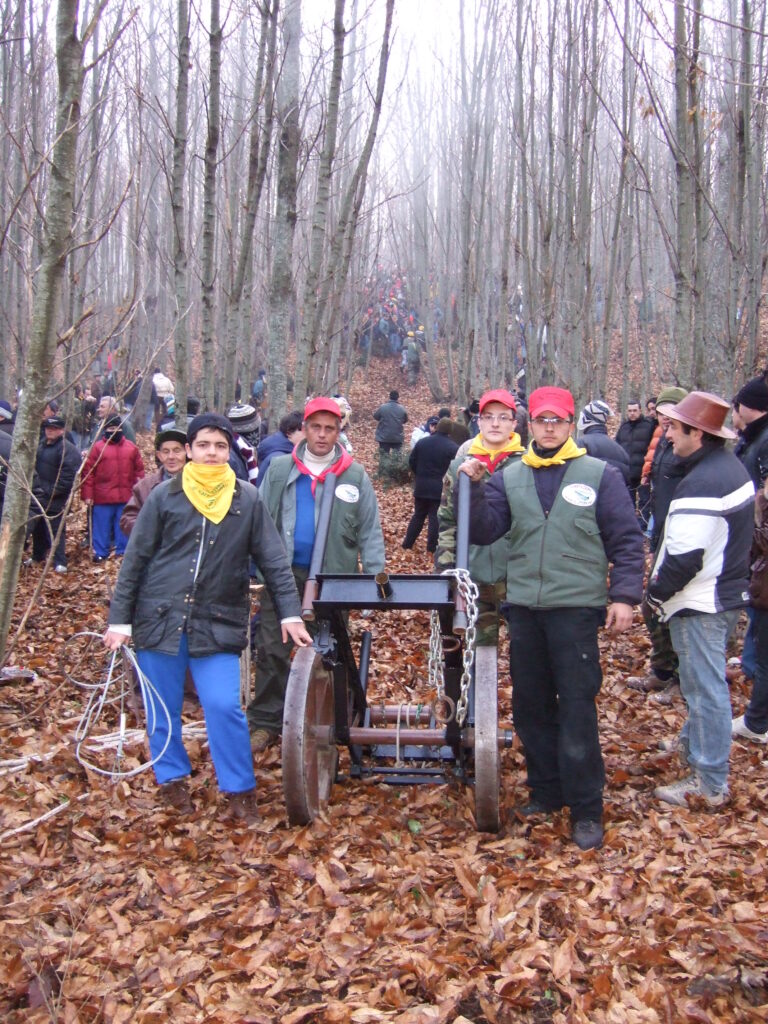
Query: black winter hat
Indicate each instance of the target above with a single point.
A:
(754, 394)
(212, 421)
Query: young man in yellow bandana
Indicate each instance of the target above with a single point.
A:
(183, 593)
(571, 527)
(494, 447)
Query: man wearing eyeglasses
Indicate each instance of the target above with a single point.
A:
(494, 447)
(574, 545)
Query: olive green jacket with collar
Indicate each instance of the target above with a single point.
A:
(355, 530)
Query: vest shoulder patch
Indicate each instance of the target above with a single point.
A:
(581, 495)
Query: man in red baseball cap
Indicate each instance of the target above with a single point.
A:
(291, 490)
(494, 447)
(570, 527)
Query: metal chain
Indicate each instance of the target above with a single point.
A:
(468, 590)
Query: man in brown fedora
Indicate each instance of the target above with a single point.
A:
(699, 585)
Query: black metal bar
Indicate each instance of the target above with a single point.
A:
(463, 484)
(409, 591)
(318, 549)
(365, 659)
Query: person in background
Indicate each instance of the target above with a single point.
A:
(183, 595)
(246, 424)
(112, 467)
(429, 461)
(171, 456)
(390, 418)
(56, 467)
(6, 417)
(289, 432)
(634, 435)
(592, 434)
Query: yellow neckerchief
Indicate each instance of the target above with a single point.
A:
(570, 450)
(490, 457)
(209, 488)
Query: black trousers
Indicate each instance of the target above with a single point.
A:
(556, 676)
(42, 530)
(423, 508)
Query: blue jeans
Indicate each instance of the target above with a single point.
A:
(699, 641)
(217, 680)
(105, 527)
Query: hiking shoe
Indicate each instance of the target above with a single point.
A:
(647, 684)
(27, 562)
(242, 806)
(587, 834)
(689, 786)
(740, 728)
(99, 558)
(534, 807)
(261, 739)
(60, 569)
(668, 695)
(176, 794)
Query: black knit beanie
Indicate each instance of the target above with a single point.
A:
(213, 421)
(754, 394)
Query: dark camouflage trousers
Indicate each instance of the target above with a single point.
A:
(489, 601)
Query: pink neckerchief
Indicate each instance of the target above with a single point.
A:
(343, 463)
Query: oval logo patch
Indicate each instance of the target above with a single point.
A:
(348, 493)
(581, 495)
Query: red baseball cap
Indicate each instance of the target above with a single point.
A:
(499, 395)
(322, 404)
(548, 399)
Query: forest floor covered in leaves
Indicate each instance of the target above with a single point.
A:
(390, 906)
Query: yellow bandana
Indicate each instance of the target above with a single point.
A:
(209, 488)
(570, 450)
(511, 445)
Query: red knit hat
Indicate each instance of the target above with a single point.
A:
(556, 400)
(322, 404)
(500, 395)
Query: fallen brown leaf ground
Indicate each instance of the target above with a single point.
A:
(389, 907)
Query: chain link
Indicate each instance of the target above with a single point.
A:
(469, 592)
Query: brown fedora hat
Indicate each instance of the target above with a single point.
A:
(702, 410)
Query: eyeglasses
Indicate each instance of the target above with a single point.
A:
(493, 418)
(549, 421)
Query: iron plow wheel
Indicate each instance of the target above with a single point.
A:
(487, 757)
(309, 746)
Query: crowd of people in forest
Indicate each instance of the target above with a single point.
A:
(561, 515)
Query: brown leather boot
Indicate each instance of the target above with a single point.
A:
(176, 794)
(242, 806)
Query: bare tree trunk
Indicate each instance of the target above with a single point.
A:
(258, 154)
(685, 236)
(281, 293)
(181, 329)
(57, 230)
(209, 209)
(310, 321)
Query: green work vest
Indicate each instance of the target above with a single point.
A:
(556, 561)
(341, 551)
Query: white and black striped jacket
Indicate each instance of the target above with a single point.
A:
(702, 565)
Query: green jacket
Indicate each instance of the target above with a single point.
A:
(556, 561)
(487, 562)
(355, 526)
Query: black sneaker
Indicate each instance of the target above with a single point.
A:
(588, 835)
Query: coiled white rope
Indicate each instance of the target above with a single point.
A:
(101, 698)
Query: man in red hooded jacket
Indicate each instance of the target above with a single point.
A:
(113, 466)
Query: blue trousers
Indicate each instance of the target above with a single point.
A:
(217, 680)
(699, 641)
(105, 526)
